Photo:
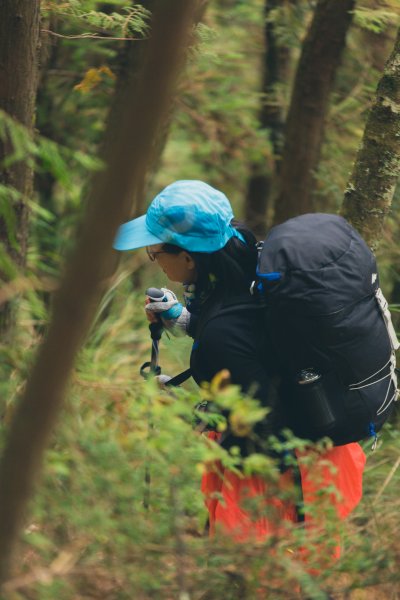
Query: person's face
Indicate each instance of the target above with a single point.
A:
(179, 267)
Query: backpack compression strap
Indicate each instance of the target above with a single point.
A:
(383, 305)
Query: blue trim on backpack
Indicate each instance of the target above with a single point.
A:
(273, 276)
(372, 433)
(195, 345)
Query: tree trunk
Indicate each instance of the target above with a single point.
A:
(47, 115)
(130, 62)
(256, 201)
(19, 47)
(127, 157)
(274, 71)
(320, 58)
(376, 171)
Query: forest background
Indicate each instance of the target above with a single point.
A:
(271, 107)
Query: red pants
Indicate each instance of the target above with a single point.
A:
(339, 471)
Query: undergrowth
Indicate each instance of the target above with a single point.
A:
(118, 512)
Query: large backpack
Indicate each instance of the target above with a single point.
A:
(329, 327)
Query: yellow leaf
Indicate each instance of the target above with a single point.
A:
(107, 71)
(92, 78)
(220, 381)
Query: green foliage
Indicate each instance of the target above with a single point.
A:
(22, 146)
(375, 19)
(290, 20)
(46, 156)
(7, 265)
(8, 196)
(42, 153)
(215, 133)
(127, 21)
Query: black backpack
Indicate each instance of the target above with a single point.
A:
(329, 327)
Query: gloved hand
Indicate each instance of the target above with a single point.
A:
(162, 380)
(174, 316)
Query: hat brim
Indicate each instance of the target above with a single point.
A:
(135, 234)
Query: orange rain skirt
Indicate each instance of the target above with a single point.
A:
(338, 470)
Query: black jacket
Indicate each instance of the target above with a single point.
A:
(231, 334)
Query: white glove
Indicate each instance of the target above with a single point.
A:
(162, 380)
(174, 316)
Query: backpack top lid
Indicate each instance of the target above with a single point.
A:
(315, 264)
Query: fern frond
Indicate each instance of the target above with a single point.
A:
(44, 154)
(375, 20)
(127, 22)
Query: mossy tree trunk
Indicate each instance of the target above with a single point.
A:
(127, 156)
(320, 57)
(376, 171)
(19, 51)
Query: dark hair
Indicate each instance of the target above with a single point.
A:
(229, 270)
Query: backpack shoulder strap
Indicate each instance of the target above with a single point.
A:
(180, 378)
(216, 308)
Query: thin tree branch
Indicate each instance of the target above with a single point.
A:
(92, 36)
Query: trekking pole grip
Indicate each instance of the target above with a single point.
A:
(155, 295)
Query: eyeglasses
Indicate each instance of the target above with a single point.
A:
(152, 255)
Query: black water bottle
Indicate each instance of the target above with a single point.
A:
(315, 400)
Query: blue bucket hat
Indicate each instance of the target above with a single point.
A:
(190, 214)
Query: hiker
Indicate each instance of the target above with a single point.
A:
(189, 231)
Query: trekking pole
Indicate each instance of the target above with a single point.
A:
(149, 368)
(152, 367)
